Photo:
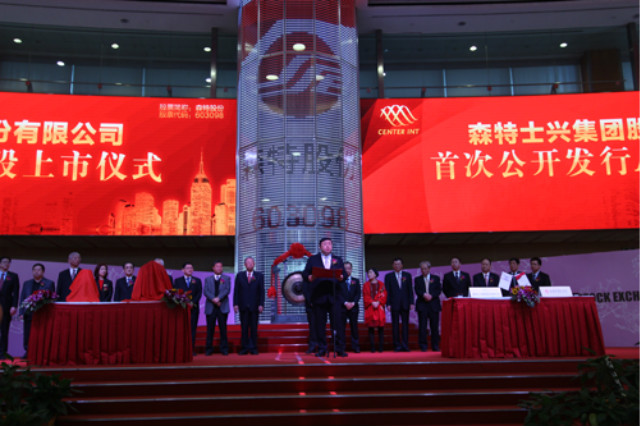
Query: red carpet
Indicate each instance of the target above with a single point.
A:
(289, 387)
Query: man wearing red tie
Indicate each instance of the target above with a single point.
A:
(248, 301)
(485, 278)
(323, 301)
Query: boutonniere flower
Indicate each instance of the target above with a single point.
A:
(252, 278)
(490, 280)
(461, 277)
(431, 280)
(537, 278)
(334, 261)
(404, 279)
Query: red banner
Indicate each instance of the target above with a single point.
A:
(97, 165)
(482, 164)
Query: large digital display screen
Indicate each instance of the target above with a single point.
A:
(97, 165)
(556, 162)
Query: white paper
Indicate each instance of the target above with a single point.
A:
(485, 292)
(523, 280)
(556, 291)
(505, 281)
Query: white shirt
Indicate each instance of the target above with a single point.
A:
(326, 260)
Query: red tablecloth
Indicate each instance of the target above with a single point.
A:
(110, 333)
(475, 328)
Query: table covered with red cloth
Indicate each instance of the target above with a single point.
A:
(556, 327)
(110, 333)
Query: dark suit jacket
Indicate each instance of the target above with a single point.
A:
(64, 282)
(107, 290)
(321, 290)
(247, 296)
(30, 286)
(351, 292)
(195, 288)
(123, 291)
(478, 280)
(400, 299)
(9, 292)
(542, 280)
(452, 288)
(434, 289)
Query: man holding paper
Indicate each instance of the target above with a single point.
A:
(323, 272)
(536, 277)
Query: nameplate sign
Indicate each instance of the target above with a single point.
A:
(485, 292)
(556, 291)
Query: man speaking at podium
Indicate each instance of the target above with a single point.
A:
(323, 272)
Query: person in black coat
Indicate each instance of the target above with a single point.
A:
(9, 288)
(105, 286)
(39, 282)
(538, 278)
(486, 278)
(66, 277)
(456, 283)
(188, 282)
(248, 300)
(351, 306)
(323, 302)
(124, 285)
(428, 306)
(400, 301)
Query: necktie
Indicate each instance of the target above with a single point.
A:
(399, 278)
(249, 277)
(188, 282)
(128, 281)
(457, 275)
(486, 280)
(2, 278)
(75, 272)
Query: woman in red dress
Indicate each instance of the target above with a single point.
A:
(375, 297)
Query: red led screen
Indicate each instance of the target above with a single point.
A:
(97, 165)
(558, 162)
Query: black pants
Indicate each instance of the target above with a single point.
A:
(4, 332)
(433, 318)
(26, 331)
(195, 314)
(352, 316)
(320, 311)
(395, 318)
(313, 340)
(372, 338)
(217, 315)
(249, 327)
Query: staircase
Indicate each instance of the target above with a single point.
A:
(284, 386)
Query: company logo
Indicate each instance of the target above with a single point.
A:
(398, 115)
(302, 83)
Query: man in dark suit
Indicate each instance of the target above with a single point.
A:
(351, 307)
(486, 278)
(428, 306)
(188, 282)
(538, 278)
(9, 287)
(456, 283)
(323, 302)
(308, 308)
(124, 285)
(66, 277)
(39, 282)
(216, 292)
(400, 300)
(514, 271)
(248, 300)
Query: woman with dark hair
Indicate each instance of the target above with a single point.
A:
(375, 297)
(105, 286)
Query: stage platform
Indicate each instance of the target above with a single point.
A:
(283, 387)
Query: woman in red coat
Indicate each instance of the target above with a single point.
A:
(375, 297)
